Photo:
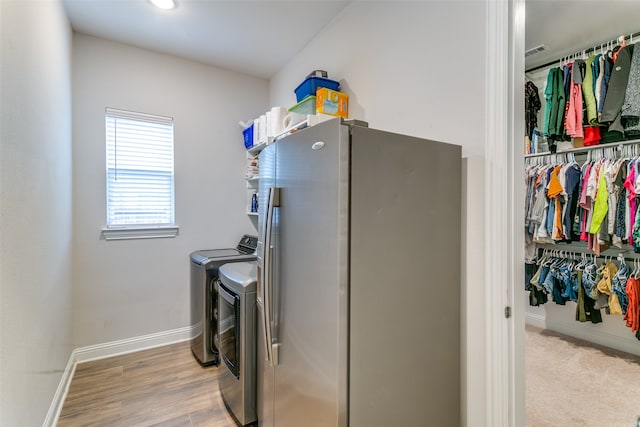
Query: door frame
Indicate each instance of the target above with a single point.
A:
(504, 222)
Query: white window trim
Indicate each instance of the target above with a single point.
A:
(141, 232)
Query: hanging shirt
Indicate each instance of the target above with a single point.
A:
(588, 94)
(608, 65)
(566, 81)
(531, 107)
(629, 184)
(617, 183)
(595, 70)
(539, 201)
(548, 98)
(573, 118)
(554, 113)
(599, 78)
(601, 204)
(605, 287)
(621, 210)
(585, 200)
(617, 89)
(632, 317)
(630, 111)
(553, 193)
(572, 189)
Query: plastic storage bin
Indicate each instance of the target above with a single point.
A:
(248, 137)
(311, 84)
(306, 106)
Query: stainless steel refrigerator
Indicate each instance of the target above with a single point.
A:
(359, 280)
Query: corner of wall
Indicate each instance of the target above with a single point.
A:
(35, 171)
(473, 344)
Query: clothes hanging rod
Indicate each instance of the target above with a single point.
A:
(612, 252)
(587, 51)
(619, 145)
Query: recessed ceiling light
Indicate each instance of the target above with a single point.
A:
(164, 4)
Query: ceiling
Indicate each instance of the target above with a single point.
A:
(565, 27)
(259, 37)
(253, 37)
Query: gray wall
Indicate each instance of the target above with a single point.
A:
(35, 207)
(128, 288)
(418, 68)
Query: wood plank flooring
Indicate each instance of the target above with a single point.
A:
(164, 386)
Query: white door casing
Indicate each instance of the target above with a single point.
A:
(504, 244)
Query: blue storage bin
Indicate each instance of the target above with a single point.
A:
(248, 137)
(311, 84)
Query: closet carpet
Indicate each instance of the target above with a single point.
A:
(164, 386)
(570, 382)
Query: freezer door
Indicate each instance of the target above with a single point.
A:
(310, 285)
(404, 281)
(265, 371)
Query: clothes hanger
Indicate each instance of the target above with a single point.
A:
(622, 41)
(583, 260)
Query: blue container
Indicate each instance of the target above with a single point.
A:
(311, 84)
(248, 137)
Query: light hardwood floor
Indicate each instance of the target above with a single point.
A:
(159, 387)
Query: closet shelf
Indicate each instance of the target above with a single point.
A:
(618, 145)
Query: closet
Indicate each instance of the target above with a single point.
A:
(582, 193)
(583, 236)
(576, 278)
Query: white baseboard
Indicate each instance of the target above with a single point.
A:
(61, 392)
(110, 349)
(130, 345)
(537, 320)
(596, 335)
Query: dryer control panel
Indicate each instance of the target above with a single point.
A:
(248, 244)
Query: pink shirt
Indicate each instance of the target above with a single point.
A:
(573, 121)
(631, 195)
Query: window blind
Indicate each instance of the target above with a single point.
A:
(140, 179)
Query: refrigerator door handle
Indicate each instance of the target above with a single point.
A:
(272, 349)
(260, 252)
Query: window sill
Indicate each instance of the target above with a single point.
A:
(141, 232)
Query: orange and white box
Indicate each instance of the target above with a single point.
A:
(332, 102)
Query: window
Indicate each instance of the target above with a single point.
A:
(140, 185)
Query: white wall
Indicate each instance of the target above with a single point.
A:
(418, 68)
(35, 207)
(124, 289)
(410, 67)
